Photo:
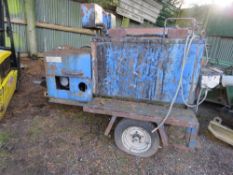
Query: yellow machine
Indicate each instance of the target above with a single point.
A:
(9, 62)
(8, 81)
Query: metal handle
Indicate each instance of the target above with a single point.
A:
(193, 20)
(218, 120)
(74, 74)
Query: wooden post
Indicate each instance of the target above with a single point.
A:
(31, 27)
(62, 28)
(2, 34)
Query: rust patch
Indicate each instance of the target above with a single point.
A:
(67, 50)
(178, 33)
(122, 32)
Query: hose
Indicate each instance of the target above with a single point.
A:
(199, 102)
(198, 99)
(188, 43)
(207, 54)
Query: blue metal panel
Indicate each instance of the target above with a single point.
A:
(93, 16)
(74, 93)
(146, 70)
(88, 15)
(79, 64)
(106, 20)
(192, 137)
(75, 65)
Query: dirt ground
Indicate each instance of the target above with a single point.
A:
(40, 138)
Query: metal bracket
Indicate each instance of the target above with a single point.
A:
(193, 20)
(163, 136)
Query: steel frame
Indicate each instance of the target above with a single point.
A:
(112, 107)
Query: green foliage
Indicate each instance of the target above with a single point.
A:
(125, 22)
(211, 19)
(18, 41)
(200, 13)
(170, 9)
(15, 7)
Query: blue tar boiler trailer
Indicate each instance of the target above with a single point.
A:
(125, 72)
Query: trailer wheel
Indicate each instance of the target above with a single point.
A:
(135, 138)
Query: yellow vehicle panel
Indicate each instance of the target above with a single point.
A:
(4, 54)
(7, 89)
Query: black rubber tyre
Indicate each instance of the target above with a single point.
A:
(125, 125)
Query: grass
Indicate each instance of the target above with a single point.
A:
(4, 154)
(36, 128)
(4, 138)
(34, 132)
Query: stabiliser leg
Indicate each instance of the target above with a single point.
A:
(110, 124)
(192, 133)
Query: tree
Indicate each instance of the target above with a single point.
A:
(170, 9)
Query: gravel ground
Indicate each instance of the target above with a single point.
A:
(45, 139)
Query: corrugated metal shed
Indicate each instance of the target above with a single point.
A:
(220, 40)
(221, 23)
(220, 50)
(59, 12)
(219, 31)
(17, 11)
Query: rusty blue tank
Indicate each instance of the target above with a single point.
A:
(142, 64)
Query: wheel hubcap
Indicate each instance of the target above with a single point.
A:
(136, 139)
